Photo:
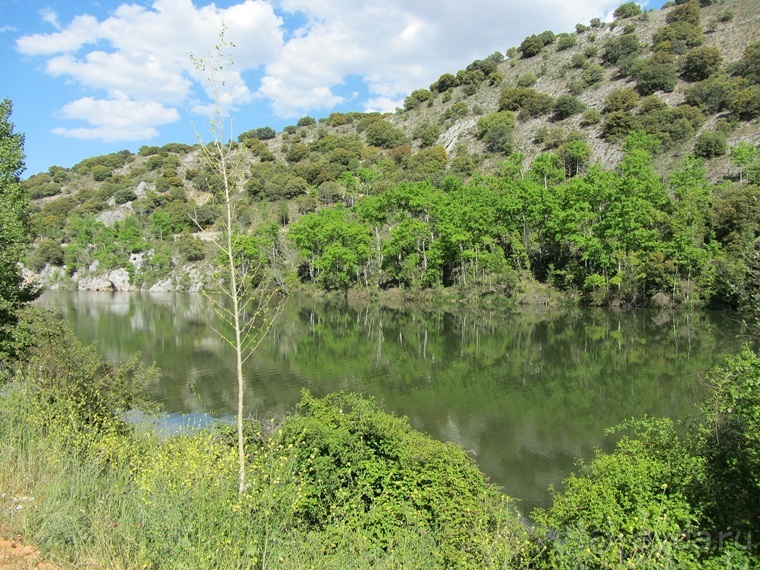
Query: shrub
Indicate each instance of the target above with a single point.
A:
(190, 248)
(306, 121)
(627, 10)
(382, 134)
(417, 97)
(712, 95)
(547, 37)
(297, 152)
(651, 77)
(566, 106)
(680, 33)
(730, 443)
(591, 117)
(529, 102)
(700, 63)
(621, 99)
(566, 41)
(531, 46)
(48, 251)
(427, 133)
(626, 508)
(618, 48)
(496, 130)
(371, 472)
(710, 145)
(444, 83)
(527, 80)
(124, 195)
(618, 125)
(686, 12)
(100, 173)
(749, 64)
(261, 133)
(746, 103)
(592, 73)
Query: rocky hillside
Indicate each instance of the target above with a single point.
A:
(685, 76)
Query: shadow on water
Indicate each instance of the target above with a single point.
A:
(525, 392)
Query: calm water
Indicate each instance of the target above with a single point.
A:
(526, 392)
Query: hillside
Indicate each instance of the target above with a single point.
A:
(516, 174)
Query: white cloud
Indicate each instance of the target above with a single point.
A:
(51, 17)
(116, 119)
(143, 53)
(397, 46)
(390, 47)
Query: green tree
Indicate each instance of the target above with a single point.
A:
(701, 62)
(15, 225)
(531, 46)
(627, 10)
(621, 99)
(749, 65)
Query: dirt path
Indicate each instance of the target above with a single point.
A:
(15, 555)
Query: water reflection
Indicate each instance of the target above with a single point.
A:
(525, 392)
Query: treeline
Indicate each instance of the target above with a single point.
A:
(623, 236)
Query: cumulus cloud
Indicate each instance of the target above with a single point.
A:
(142, 56)
(397, 46)
(382, 48)
(116, 119)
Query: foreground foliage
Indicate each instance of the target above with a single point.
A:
(338, 484)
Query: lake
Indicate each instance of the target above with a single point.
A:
(525, 391)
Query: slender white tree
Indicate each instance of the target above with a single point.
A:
(247, 308)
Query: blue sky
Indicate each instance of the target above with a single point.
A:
(92, 77)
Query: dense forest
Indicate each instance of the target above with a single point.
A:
(618, 164)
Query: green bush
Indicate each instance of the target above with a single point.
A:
(566, 41)
(124, 195)
(531, 46)
(527, 101)
(712, 95)
(306, 121)
(496, 130)
(729, 439)
(626, 508)
(710, 145)
(746, 103)
(592, 73)
(700, 63)
(591, 117)
(651, 76)
(382, 134)
(190, 248)
(627, 10)
(100, 173)
(527, 80)
(749, 64)
(417, 97)
(618, 125)
(371, 472)
(621, 99)
(566, 106)
(615, 49)
(261, 133)
(48, 251)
